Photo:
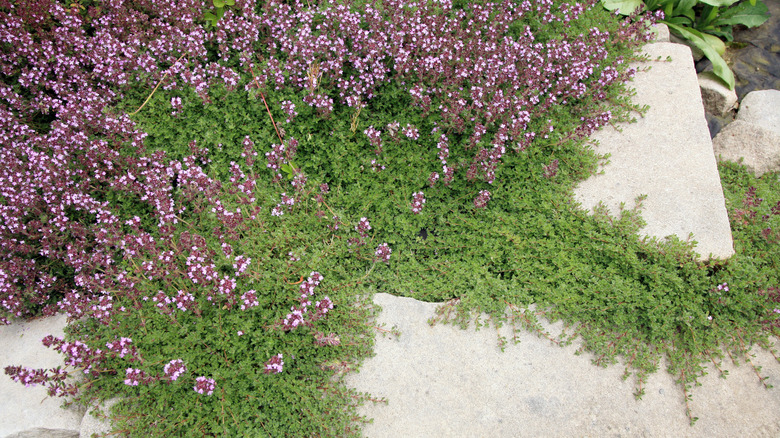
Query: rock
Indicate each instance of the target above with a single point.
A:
(45, 433)
(757, 146)
(761, 108)
(661, 33)
(697, 54)
(23, 409)
(715, 95)
(90, 424)
(666, 155)
(442, 381)
(714, 124)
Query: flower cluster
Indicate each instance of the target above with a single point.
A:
(418, 200)
(174, 369)
(382, 253)
(204, 385)
(274, 365)
(482, 199)
(298, 314)
(363, 227)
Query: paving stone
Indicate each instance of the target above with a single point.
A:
(29, 409)
(666, 155)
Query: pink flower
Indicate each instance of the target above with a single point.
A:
(204, 385)
(418, 200)
(274, 365)
(383, 252)
(174, 369)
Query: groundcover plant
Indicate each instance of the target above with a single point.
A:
(213, 203)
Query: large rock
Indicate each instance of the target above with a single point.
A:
(27, 411)
(757, 147)
(442, 381)
(761, 108)
(716, 96)
(666, 155)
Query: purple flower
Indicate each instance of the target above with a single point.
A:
(382, 252)
(482, 199)
(134, 376)
(174, 369)
(363, 227)
(204, 385)
(274, 365)
(418, 200)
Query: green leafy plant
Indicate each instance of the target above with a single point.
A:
(703, 24)
(212, 17)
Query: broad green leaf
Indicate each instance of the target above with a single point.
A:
(208, 16)
(230, 2)
(684, 7)
(715, 42)
(745, 14)
(625, 7)
(680, 21)
(219, 3)
(719, 66)
(718, 3)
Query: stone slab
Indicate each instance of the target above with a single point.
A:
(666, 155)
(442, 381)
(29, 410)
(761, 108)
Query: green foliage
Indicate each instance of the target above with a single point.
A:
(231, 345)
(704, 24)
(212, 17)
(637, 299)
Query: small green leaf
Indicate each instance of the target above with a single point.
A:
(230, 2)
(219, 3)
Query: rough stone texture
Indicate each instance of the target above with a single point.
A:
(442, 381)
(695, 52)
(715, 95)
(667, 155)
(91, 425)
(761, 108)
(758, 147)
(45, 433)
(661, 33)
(27, 409)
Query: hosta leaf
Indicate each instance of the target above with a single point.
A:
(696, 38)
(718, 3)
(625, 7)
(745, 14)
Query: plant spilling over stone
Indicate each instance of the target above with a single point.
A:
(221, 293)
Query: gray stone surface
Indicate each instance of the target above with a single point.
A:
(757, 147)
(442, 381)
(92, 425)
(666, 155)
(715, 95)
(45, 433)
(661, 33)
(26, 409)
(761, 108)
